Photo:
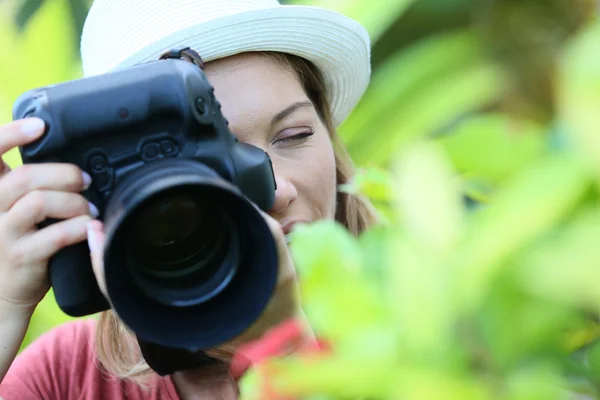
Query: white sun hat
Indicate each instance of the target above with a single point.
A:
(121, 33)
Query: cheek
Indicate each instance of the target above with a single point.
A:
(319, 178)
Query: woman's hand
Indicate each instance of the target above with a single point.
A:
(30, 194)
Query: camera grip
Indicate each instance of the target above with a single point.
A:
(73, 281)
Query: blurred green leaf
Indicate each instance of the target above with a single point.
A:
(404, 75)
(376, 17)
(420, 301)
(565, 266)
(325, 252)
(579, 89)
(493, 147)
(27, 9)
(429, 197)
(515, 218)
(538, 382)
(377, 185)
(438, 103)
(518, 327)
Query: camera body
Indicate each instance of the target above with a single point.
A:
(145, 133)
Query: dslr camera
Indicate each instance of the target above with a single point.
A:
(189, 261)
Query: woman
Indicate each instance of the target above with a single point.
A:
(286, 76)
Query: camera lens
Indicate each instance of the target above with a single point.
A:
(189, 261)
(179, 238)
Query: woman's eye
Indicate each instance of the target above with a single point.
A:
(293, 136)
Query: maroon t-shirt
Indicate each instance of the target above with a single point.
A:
(62, 365)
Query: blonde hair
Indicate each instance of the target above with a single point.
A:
(116, 346)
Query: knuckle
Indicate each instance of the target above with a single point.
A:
(21, 178)
(36, 202)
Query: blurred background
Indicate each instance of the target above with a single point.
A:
(447, 69)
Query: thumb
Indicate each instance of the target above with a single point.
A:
(95, 238)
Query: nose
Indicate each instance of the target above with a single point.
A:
(284, 195)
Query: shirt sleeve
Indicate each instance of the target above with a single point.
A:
(48, 368)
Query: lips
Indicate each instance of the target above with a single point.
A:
(288, 225)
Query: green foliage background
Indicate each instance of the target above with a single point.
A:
(477, 143)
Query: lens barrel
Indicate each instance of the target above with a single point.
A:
(189, 261)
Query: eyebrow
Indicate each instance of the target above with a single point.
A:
(291, 109)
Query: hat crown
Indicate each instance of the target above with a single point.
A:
(115, 29)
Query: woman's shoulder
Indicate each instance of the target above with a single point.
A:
(62, 364)
(78, 331)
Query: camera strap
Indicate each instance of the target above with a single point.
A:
(186, 54)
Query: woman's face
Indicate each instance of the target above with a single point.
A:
(267, 107)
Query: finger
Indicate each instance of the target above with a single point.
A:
(276, 230)
(39, 205)
(30, 177)
(43, 244)
(96, 239)
(19, 133)
(287, 270)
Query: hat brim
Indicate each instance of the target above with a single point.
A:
(337, 45)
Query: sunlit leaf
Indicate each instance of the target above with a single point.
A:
(377, 185)
(331, 376)
(537, 326)
(327, 256)
(579, 93)
(404, 75)
(376, 17)
(565, 267)
(27, 9)
(429, 197)
(540, 382)
(420, 300)
(438, 103)
(493, 146)
(536, 199)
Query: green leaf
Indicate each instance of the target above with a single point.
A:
(538, 382)
(377, 185)
(336, 293)
(403, 76)
(579, 93)
(334, 376)
(26, 11)
(420, 301)
(534, 201)
(376, 17)
(438, 103)
(565, 267)
(429, 197)
(493, 147)
(518, 327)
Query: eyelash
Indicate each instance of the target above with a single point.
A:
(298, 136)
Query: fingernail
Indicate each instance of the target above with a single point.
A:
(87, 180)
(92, 238)
(93, 210)
(32, 127)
